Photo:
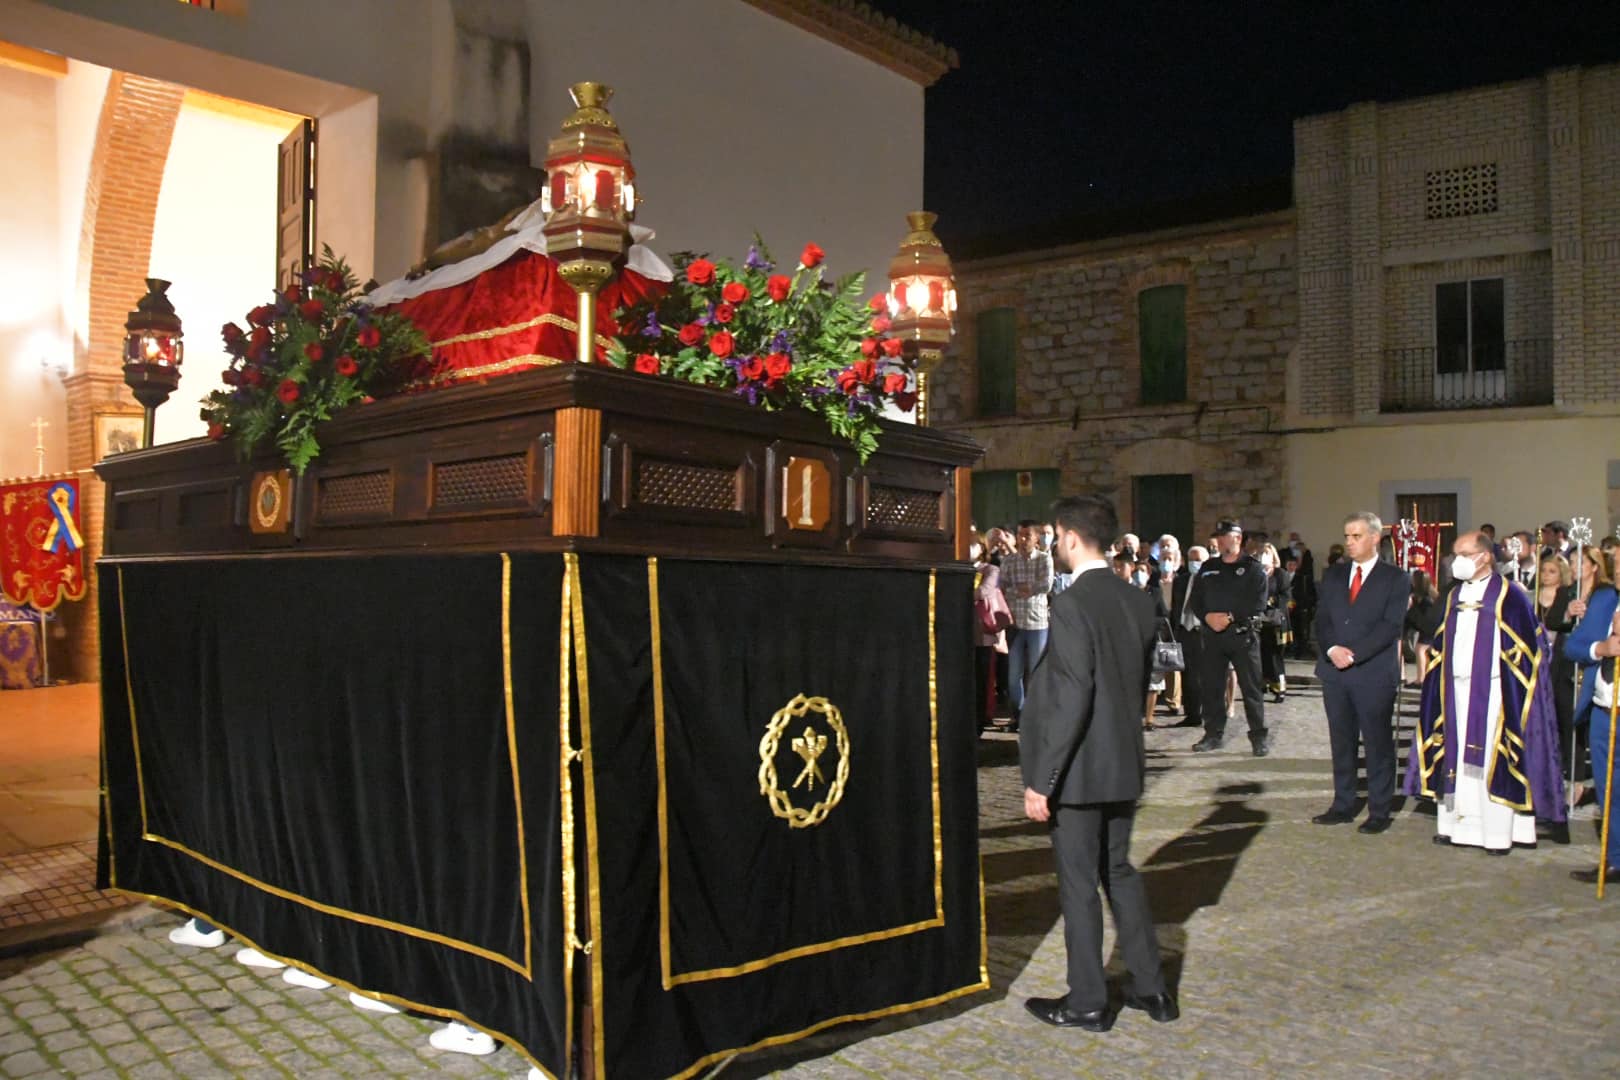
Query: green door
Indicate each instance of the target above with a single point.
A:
(1007, 496)
(1164, 504)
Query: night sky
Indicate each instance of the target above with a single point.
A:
(1063, 115)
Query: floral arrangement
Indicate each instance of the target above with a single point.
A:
(774, 340)
(316, 349)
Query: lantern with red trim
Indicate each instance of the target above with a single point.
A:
(922, 300)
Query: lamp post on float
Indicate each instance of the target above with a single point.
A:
(922, 301)
(152, 352)
(589, 201)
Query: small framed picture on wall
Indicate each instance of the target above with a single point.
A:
(117, 433)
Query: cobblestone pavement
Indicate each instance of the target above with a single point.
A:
(1299, 950)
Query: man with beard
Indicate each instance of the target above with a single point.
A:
(1083, 764)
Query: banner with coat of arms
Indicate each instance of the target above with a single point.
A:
(41, 542)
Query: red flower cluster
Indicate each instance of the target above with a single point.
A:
(778, 286)
(811, 256)
(700, 272)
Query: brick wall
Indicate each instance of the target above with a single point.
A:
(1370, 253)
(1078, 369)
(126, 174)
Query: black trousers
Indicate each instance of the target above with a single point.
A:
(1360, 704)
(1093, 847)
(1240, 652)
(1192, 693)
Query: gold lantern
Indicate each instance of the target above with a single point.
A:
(922, 300)
(589, 201)
(153, 350)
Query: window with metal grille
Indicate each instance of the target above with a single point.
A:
(1461, 192)
(996, 336)
(1162, 334)
(1469, 326)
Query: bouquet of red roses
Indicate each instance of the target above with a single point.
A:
(775, 340)
(316, 349)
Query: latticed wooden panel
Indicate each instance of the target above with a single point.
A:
(685, 485)
(481, 480)
(356, 495)
(902, 508)
(1464, 192)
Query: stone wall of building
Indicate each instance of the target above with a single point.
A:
(1078, 375)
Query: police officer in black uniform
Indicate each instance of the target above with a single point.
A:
(1228, 598)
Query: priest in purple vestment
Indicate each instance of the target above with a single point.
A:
(1486, 750)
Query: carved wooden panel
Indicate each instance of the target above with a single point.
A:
(686, 485)
(364, 494)
(889, 508)
(500, 479)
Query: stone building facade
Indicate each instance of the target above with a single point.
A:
(1459, 340)
(1083, 416)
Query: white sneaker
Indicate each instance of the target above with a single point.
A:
(461, 1039)
(305, 979)
(255, 959)
(188, 934)
(370, 1004)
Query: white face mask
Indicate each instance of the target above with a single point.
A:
(1463, 568)
(1140, 577)
(1193, 565)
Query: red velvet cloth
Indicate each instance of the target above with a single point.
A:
(514, 317)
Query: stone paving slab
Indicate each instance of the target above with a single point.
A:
(1299, 950)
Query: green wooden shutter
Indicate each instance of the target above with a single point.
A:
(1162, 329)
(997, 331)
(996, 500)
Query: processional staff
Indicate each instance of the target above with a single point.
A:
(1580, 531)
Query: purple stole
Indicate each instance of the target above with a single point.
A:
(1486, 637)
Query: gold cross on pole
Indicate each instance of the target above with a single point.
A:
(39, 425)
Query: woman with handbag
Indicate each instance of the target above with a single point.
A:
(992, 617)
(1275, 632)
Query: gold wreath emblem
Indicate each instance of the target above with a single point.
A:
(267, 501)
(810, 746)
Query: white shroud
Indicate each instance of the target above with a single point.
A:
(1468, 815)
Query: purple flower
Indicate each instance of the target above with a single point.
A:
(780, 343)
(749, 392)
(756, 261)
(653, 328)
(706, 318)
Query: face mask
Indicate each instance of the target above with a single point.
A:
(1295, 546)
(1140, 577)
(974, 552)
(1463, 568)
(1265, 564)
(1166, 566)
(1193, 565)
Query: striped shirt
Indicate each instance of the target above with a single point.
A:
(1031, 573)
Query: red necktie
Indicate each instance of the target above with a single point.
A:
(1355, 583)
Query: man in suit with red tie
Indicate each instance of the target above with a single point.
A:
(1360, 607)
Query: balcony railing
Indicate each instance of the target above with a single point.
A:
(1496, 376)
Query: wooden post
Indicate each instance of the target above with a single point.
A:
(576, 493)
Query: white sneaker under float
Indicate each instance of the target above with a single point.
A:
(303, 978)
(253, 958)
(461, 1039)
(370, 1004)
(188, 934)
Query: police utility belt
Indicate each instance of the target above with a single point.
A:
(1237, 626)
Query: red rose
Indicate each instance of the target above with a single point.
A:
(312, 309)
(287, 391)
(880, 324)
(231, 333)
(216, 431)
(752, 368)
(880, 302)
(777, 365)
(230, 377)
(261, 315)
(370, 337)
(720, 344)
(700, 272)
(334, 281)
(345, 366)
(893, 383)
(869, 346)
(293, 294)
(723, 313)
(735, 293)
(253, 377)
(847, 381)
(778, 286)
(314, 352)
(893, 347)
(690, 334)
(907, 401)
(811, 255)
(865, 370)
(647, 364)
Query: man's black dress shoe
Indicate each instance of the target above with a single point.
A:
(1189, 722)
(1444, 841)
(1056, 1011)
(1161, 1007)
(1262, 747)
(1591, 876)
(1208, 742)
(1333, 817)
(1374, 825)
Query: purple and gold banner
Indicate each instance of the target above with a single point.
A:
(41, 542)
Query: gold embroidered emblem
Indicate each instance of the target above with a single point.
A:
(810, 747)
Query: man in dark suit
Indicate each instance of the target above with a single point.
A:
(1185, 626)
(1083, 765)
(1360, 608)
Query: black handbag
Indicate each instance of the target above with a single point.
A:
(1167, 655)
